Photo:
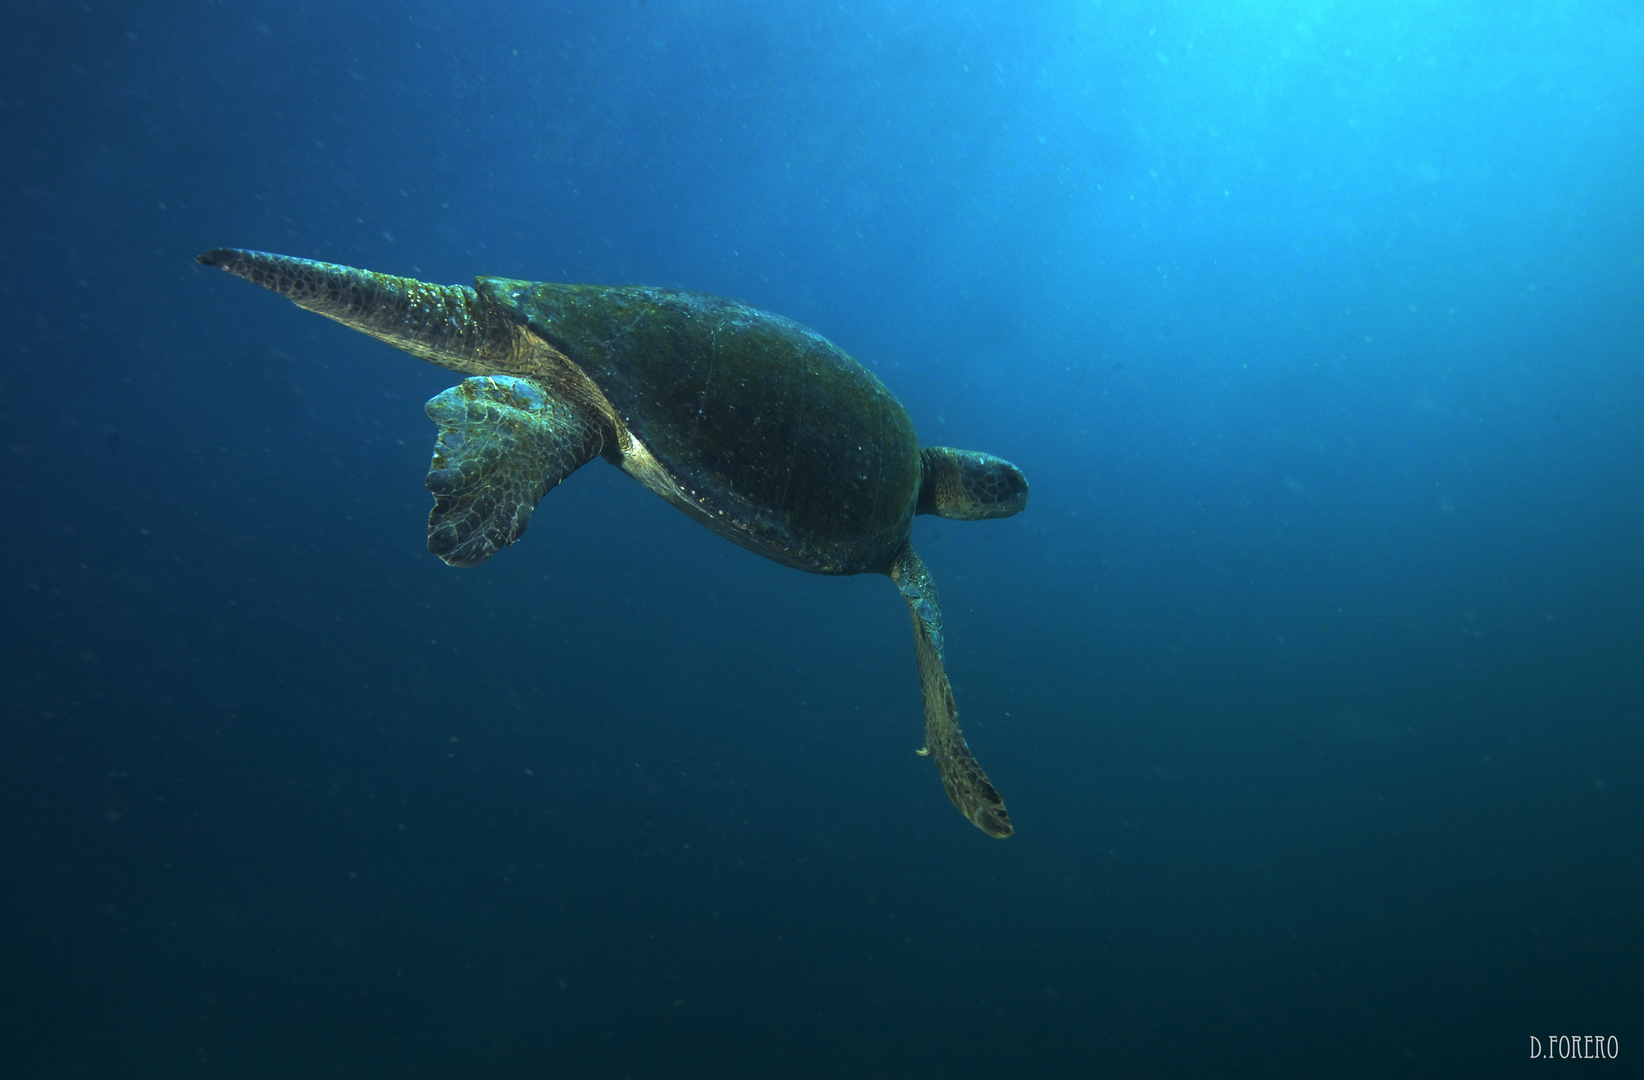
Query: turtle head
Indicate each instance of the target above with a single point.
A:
(968, 485)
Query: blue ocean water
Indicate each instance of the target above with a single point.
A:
(1312, 675)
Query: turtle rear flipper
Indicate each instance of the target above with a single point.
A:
(504, 443)
(963, 779)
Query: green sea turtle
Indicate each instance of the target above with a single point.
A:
(758, 428)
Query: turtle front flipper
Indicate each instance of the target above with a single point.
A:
(449, 325)
(967, 785)
(504, 443)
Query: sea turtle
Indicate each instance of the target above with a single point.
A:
(760, 429)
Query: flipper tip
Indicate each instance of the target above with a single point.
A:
(996, 825)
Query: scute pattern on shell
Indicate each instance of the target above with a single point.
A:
(761, 421)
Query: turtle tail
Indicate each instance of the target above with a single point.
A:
(449, 325)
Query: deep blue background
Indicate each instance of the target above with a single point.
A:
(1313, 674)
